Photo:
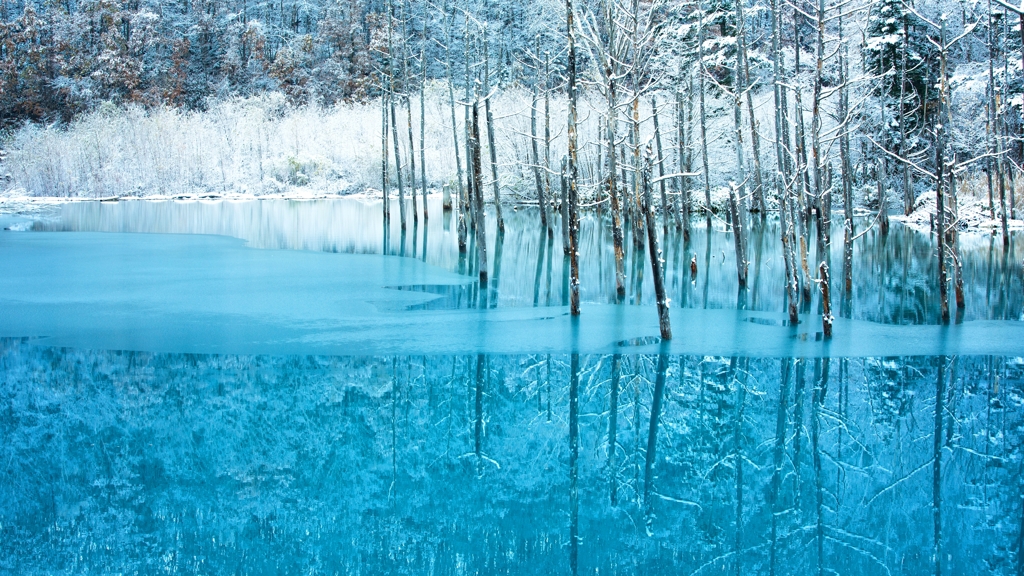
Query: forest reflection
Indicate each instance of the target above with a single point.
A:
(894, 275)
(651, 464)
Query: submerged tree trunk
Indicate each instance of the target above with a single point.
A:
(478, 219)
(563, 206)
(384, 153)
(739, 236)
(574, 281)
(614, 191)
(826, 301)
(398, 164)
(657, 264)
(789, 256)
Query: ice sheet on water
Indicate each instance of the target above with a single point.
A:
(211, 294)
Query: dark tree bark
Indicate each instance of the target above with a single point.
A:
(478, 219)
(541, 200)
(574, 280)
(826, 301)
(657, 263)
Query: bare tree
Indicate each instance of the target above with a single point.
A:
(657, 264)
(573, 223)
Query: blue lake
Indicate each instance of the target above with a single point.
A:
(280, 386)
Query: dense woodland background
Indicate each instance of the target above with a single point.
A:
(870, 73)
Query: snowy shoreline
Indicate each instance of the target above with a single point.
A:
(973, 214)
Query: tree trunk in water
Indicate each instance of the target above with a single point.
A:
(661, 166)
(574, 281)
(789, 256)
(478, 194)
(384, 152)
(826, 301)
(536, 166)
(940, 165)
(682, 202)
(406, 81)
(816, 128)
(398, 164)
(655, 252)
(739, 237)
(563, 206)
(614, 192)
(423, 119)
(547, 128)
(637, 202)
(467, 108)
(490, 140)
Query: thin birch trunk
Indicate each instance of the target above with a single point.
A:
(940, 162)
(574, 281)
(406, 84)
(394, 120)
(682, 199)
(541, 200)
(384, 151)
(481, 232)
(703, 117)
(490, 140)
(423, 116)
(613, 190)
(661, 166)
(758, 204)
(908, 185)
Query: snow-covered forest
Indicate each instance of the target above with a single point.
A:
(856, 100)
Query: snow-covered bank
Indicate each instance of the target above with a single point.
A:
(262, 146)
(972, 214)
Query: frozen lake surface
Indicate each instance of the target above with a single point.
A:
(281, 387)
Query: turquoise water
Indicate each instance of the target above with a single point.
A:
(254, 388)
